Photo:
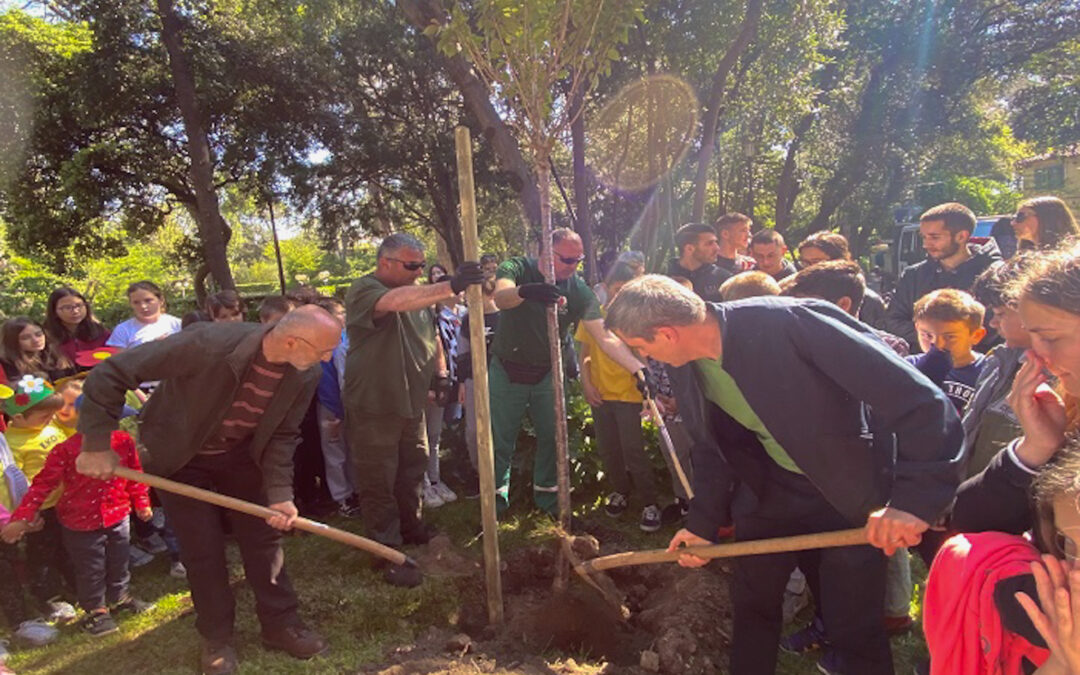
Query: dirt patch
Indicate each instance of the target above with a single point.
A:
(680, 622)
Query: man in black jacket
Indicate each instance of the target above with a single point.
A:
(951, 262)
(772, 391)
(698, 249)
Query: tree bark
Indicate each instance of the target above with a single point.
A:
(788, 186)
(747, 33)
(212, 227)
(421, 14)
(866, 142)
(581, 185)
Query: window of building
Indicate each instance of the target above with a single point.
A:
(1050, 177)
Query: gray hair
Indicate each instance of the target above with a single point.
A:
(651, 301)
(396, 242)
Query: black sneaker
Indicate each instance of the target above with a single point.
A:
(133, 605)
(98, 624)
(616, 504)
(650, 518)
(347, 510)
(808, 639)
(830, 664)
(674, 512)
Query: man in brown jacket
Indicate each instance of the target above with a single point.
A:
(226, 418)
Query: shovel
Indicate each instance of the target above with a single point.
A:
(591, 571)
(312, 526)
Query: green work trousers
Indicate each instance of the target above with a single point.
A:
(509, 403)
(389, 455)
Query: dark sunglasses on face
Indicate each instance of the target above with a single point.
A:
(571, 261)
(1020, 216)
(412, 266)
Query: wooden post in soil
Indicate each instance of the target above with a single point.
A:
(562, 450)
(481, 399)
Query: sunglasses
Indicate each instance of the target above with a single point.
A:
(410, 265)
(571, 261)
(1020, 217)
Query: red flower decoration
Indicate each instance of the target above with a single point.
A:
(21, 399)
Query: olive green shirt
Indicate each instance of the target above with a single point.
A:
(720, 388)
(522, 333)
(391, 360)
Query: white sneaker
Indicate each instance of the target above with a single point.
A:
(445, 492)
(177, 570)
(60, 612)
(432, 500)
(36, 633)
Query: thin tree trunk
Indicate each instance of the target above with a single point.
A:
(212, 228)
(747, 33)
(581, 185)
(421, 13)
(562, 451)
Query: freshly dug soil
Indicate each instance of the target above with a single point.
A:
(680, 622)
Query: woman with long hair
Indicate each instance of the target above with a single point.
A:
(983, 585)
(1043, 223)
(70, 323)
(25, 350)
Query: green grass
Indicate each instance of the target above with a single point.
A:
(340, 595)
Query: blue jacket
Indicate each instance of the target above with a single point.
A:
(807, 369)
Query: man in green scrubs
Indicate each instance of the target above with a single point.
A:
(520, 373)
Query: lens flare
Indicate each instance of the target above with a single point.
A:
(642, 133)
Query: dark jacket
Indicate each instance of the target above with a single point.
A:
(929, 275)
(705, 279)
(806, 368)
(997, 498)
(200, 370)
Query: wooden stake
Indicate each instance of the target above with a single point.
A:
(481, 402)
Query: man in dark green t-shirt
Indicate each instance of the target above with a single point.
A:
(388, 372)
(520, 373)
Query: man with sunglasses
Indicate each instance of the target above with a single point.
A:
(520, 373)
(388, 371)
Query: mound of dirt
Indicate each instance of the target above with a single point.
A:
(680, 622)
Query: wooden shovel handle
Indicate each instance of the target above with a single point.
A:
(802, 542)
(312, 526)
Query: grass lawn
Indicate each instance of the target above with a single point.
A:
(362, 616)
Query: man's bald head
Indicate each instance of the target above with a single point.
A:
(303, 337)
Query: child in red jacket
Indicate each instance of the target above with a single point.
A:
(94, 515)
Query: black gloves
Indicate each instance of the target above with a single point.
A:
(547, 294)
(646, 383)
(443, 388)
(468, 274)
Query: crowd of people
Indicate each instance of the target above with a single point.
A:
(797, 400)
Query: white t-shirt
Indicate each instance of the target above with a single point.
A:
(133, 332)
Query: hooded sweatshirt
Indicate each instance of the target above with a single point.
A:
(929, 275)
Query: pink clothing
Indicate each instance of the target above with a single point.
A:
(963, 628)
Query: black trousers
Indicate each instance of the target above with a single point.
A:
(12, 600)
(47, 563)
(102, 575)
(199, 528)
(851, 581)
